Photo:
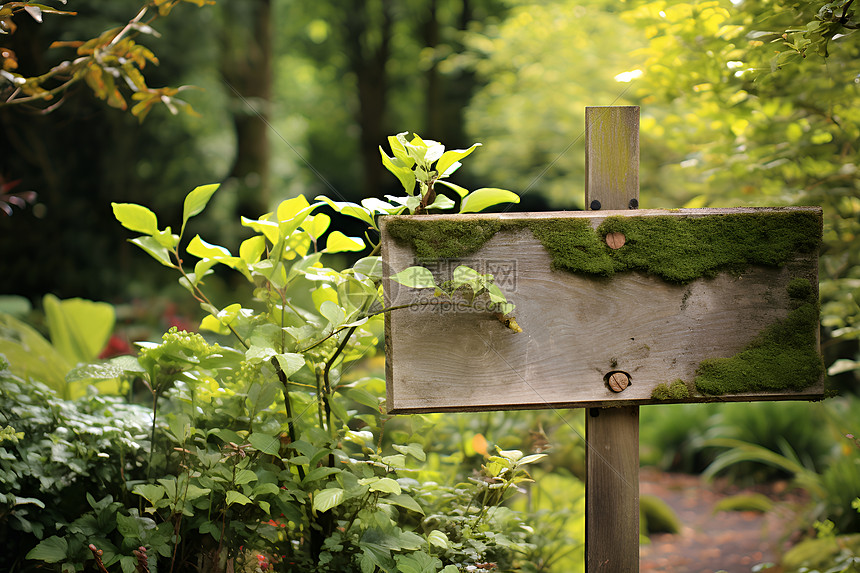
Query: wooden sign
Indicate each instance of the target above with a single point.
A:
(615, 307)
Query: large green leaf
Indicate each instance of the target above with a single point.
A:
(196, 201)
(350, 209)
(449, 158)
(266, 443)
(200, 248)
(155, 249)
(136, 218)
(79, 328)
(30, 356)
(486, 197)
(51, 550)
(337, 242)
(326, 499)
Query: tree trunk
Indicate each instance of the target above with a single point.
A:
(368, 61)
(246, 66)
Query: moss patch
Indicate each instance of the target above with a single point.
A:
(677, 390)
(676, 249)
(434, 240)
(784, 356)
(681, 249)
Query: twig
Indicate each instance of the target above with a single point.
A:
(97, 555)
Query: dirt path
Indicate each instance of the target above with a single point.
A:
(708, 542)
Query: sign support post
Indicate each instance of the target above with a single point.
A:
(612, 434)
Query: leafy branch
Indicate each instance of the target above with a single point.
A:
(105, 63)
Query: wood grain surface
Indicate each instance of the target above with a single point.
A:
(576, 329)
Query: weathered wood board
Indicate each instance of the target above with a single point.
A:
(579, 328)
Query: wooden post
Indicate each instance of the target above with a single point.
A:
(612, 434)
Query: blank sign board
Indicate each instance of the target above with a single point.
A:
(611, 308)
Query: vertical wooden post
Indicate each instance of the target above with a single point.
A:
(612, 434)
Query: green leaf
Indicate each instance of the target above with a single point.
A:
(256, 354)
(349, 209)
(234, 496)
(214, 325)
(266, 443)
(461, 191)
(418, 562)
(386, 485)
(136, 218)
(244, 476)
(193, 492)
(481, 199)
(332, 312)
(402, 171)
(155, 249)
(51, 550)
(290, 208)
(531, 459)
(31, 356)
(438, 538)
(403, 500)
(196, 201)
(414, 449)
(337, 242)
(270, 229)
(290, 362)
(79, 328)
(464, 275)
(415, 277)
(113, 368)
(442, 203)
(449, 158)
(326, 499)
(200, 248)
(319, 473)
(370, 267)
(316, 225)
(252, 249)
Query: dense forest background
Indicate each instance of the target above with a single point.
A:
(744, 102)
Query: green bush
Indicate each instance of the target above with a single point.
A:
(274, 448)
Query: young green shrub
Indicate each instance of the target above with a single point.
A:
(268, 442)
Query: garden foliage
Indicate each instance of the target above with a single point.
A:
(268, 443)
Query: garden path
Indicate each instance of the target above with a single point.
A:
(709, 542)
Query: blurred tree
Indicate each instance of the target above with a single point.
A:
(378, 61)
(84, 154)
(246, 65)
(540, 67)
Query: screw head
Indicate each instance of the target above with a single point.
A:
(595, 205)
(618, 381)
(615, 240)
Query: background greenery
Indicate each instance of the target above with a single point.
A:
(745, 102)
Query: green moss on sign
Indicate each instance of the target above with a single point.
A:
(680, 249)
(784, 356)
(434, 240)
(677, 390)
(676, 249)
